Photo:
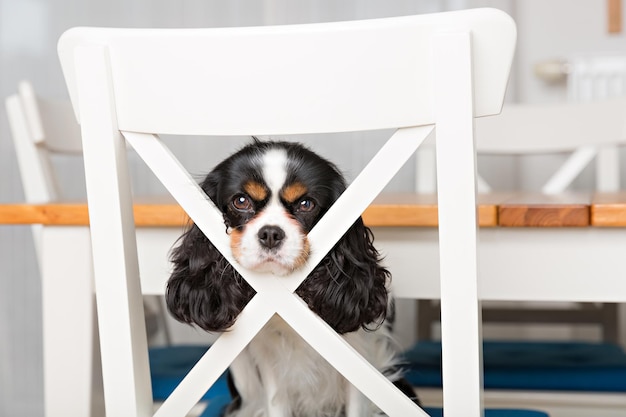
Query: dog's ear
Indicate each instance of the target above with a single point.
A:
(210, 185)
(204, 289)
(348, 289)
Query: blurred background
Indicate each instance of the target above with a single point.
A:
(556, 32)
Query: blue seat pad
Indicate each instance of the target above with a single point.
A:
(169, 365)
(216, 407)
(559, 366)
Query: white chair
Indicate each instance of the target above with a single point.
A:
(583, 132)
(579, 134)
(41, 128)
(412, 73)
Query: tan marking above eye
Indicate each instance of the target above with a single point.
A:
(255, 190)
(293, 192)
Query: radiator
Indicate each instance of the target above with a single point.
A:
(596, 77)
(599, 77)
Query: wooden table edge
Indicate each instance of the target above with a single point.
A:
(172, 215)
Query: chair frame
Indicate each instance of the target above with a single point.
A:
(102, 101)
(584, 130)
(41, 128)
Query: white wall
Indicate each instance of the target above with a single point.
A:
(559, 29)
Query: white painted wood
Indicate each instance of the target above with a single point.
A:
(112, 77)
(121, 322)
(608, 169)
(461, 337)
(426, 169)
(68, 327)
(571, 168)
(346, 209)
(559, 270)
(360, 194)
(366, 101)
(221, 354)
(31, 111)
(554, 403)
(29, 31)
(39, 129)
(354, 200)
(34, 182)
(553, 127)
(347, 360)
(585, 130)
(604, 245)
(33, 161)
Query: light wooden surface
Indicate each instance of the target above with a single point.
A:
(418, 210)
(609, 209)
(614, 18)
(76, 214)
(394, 210)
(388, 210)
(541, 210)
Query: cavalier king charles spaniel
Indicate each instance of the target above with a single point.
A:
(271, 195)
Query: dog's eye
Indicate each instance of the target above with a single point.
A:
(242, 203)
(305, 205)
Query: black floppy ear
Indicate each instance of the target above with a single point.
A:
(204, 289)
(211, 183)
(348, 289)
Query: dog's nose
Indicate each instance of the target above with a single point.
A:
(271, 236)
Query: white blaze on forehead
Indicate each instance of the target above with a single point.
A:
(275, 169)
(293, 250)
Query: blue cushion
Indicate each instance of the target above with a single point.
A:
(216, 407)
(495, 412)
(169, 365)
(561, 366)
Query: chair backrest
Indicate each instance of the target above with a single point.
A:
(41, 128)
(585, 131)
(410, 73)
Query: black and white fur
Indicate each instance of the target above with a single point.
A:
(271, 195)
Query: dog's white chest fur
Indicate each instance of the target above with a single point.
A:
(280, 375)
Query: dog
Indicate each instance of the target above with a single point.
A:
(272, 194)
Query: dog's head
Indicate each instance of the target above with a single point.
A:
(271, 195)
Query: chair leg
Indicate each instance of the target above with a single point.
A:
(610, 322)
(427, 314)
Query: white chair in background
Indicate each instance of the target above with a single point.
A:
(413, 73)
(42, 130)
(582, 131)
(567, 376)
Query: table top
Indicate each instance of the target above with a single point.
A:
(388, 210)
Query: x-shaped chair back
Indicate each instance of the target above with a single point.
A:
(410, 73)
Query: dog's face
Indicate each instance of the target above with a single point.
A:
(271, 195)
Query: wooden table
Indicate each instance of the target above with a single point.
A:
(388, 210)
(532, 247)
